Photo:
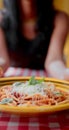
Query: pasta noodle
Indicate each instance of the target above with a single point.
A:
(32, 93)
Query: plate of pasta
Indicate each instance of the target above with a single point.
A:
(33, 95)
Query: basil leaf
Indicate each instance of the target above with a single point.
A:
(6, 100)
(41, 80)
(33, 81)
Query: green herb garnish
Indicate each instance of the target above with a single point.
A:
(58, 93)
(6, 100)
(33, 81)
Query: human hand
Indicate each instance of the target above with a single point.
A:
(57, 69)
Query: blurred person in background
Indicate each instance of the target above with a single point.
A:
(32, 35)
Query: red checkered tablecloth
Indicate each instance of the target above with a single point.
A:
(56, 121)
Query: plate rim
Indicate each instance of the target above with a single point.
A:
(28, 77)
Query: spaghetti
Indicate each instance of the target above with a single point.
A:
(32, 93)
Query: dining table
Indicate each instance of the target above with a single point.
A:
(52, 121)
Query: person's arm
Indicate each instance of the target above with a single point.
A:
(1, 72)
(54, 63)
(4, 57)
(4, 26)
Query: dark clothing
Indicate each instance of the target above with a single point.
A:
(33, 50)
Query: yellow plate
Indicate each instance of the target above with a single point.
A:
(37, 110)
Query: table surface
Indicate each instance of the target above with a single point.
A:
(56, 121)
